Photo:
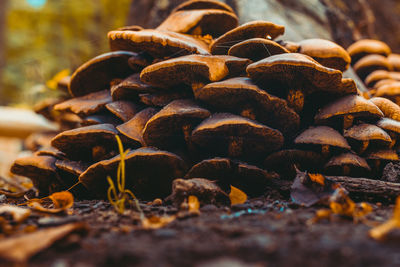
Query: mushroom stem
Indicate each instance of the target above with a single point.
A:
(364, 146)
(325, 150)
(348, 121)
(235, 147)
(295, 99)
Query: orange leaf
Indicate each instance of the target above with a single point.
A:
(156, 222)
(61, 201)
(237, 196)
(317, 178)
(381, 231)
(194, 204)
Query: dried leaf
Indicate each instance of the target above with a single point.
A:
(317, 178)
(20, 249)
(342, 204)
(62, 201)
(156, 222)
(18, 214)
(380, 232)
(193, 204)
(237, 196)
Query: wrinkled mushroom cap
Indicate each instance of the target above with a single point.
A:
(224, 134)
(214, 22)
(159, 44)
(368, 132)
(369, 64)
(358, 166)
(97, 73)
(124, 110)
(327, 53)
(322, 135)
(376, 76)
(253, 29)
(365, 47)
(236, 95)
(149, 173)
(192, 69)
(385, 155)
(389, 125)
(256, 49)
(389, 109)
(165, 129)
(203, 4)
(390, 91)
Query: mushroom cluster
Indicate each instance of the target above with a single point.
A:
(201, 97)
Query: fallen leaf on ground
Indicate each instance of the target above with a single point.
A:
(380, 232)
(237, 196)
(62, 201)
(20, 249)
(156, 222)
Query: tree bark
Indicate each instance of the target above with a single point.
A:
(3, 10)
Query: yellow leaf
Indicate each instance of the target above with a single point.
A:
(194, 204)
(156, 222)
(53, 82)
(237, 196)
(381, 231)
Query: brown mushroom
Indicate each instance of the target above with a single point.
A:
(390, 91)
(292, 47)
(369, 64)
(366, 47)
(241, 96)
(389, 109)
(394, 61)
(382, 83)
(225, 134)
(377, 160)
(161, 99)
(256, 49)
(346, 109)
(50, 151)
(322, 139)
(327, 53)
(375, 77)
(253, 29)
(69, 172)
(149, 173)
(97, 74)
(392, 127)
(347, 164)
(124, 110)
(172, 126)
(363, 136)
(130, 88)
(203, 4)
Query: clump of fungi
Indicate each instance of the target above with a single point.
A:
(201, 97)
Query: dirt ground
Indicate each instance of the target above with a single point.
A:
(261, 232)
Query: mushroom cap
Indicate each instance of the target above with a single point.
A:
(78, 143)
(125, 110)
(283, 162)
(161, 99)
(293, 47)
(365, 47)
(389, 109)
(100, 118)
(130, 88)
(390, 91)
(256, 49)
(87, 104)
(41, 170)
(158, 44)
(251, 139)
(63, 84)
(50, 151)
(375, 77)
(253, 29)
(149, 173)
(322, 135)
(74, 167)
(369, 64)
(294, 70)
(214, 22)
(165, 129)
(368, 132)
(394, 60)
(358, 165)
(389, 125)
(140, 61)
(220, 170)
(203, 4)
(327, 53)
(395, 75)
(133, 129)
(191, 69)
(40, 139)
(46, 107)
(97, 73)
(354, 105)
(236, 94)
(385, 155)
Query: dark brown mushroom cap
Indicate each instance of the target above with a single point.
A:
(322, 135)
(140, 61)
(162, 99)
(389, 109)
(256, 49)
(354, 105)
(125, 110)
(369, 64)
(63, 84)
(100, 118)
(46, 108)
(158, 44)
(50, 151)
(368, 132)
(253, 29)
(149, 173)
(390, 91)
(69, 172)
(203, 4)
(327, 53)
(78, 143)
(130, 88)
(357, 166)
(365, 47)
(384, 155)
(394, 60)
(237, 95)
(133, 129)
(96, 74)
(293, 70)
(286, 161)
(87, 104)
(41, 170)
(214, 22)
(220, 170)
(166, 128)
(375, 77)
(192, 69)
(389, 125)
(74, 167)
(39, 140)
(225, 134)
